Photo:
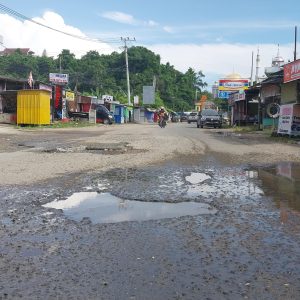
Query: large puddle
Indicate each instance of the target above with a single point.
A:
(186, 190)
(106, 208)
(282, 183)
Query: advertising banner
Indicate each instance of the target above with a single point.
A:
(136, 100)
(59, 78)
(233, 85)
(291, 71)
(70, 96)
(289, 119)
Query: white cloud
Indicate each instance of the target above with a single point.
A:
(25, 34)
(123, 18)
(120, 17)
(168, 29)
(152, 23)
(219, 60)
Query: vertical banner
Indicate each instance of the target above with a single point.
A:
(58, 102)
(136, 100)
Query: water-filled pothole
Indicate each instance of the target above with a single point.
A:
(282, 183)
(106, 208)
(196, 178)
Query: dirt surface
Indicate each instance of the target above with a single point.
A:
(249, 249)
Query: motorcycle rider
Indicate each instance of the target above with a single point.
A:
(162, 117)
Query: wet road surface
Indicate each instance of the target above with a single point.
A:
(248, 248)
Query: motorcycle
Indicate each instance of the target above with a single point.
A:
(162, 123)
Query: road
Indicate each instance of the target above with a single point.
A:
(243, 244)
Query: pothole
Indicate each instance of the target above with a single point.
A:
(106, 208)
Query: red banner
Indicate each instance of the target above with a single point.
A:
(57, 96)
(291, 71)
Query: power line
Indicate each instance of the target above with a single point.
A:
(86, 38)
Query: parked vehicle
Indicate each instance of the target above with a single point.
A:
(225, 118)
(175, 117)
(209, 117)
(192, 117)
(103, 115)
(183, 117)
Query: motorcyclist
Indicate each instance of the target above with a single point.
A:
(162, 117)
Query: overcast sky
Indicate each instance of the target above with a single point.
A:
(216, 37)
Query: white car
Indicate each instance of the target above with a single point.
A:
(192, 117)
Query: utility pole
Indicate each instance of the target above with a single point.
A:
(257, 67)
(125, 40)
(60, 64)
(295, 50)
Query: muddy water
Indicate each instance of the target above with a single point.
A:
(106, 208)
(281, 183)
(156, 193)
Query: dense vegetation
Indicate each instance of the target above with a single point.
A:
(95, 74)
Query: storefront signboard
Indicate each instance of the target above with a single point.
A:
(291, 71)
(289, 120)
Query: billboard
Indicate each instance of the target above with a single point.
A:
(289, 119)
(59, 78)
(148, 95)
(233, 85)
(291, 71)
(228, 86)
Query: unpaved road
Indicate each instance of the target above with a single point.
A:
(247, 250)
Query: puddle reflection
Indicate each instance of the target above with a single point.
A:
(282, 183)
(196, 178)
(106, 208)
(225, 183)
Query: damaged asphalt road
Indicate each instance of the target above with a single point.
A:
(246, 250)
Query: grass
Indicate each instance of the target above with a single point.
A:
(251, 128)
(269, 133)
(59, 124)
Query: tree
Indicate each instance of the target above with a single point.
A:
(222, 104)
(106, 74)
(45, 65)
(18, 65)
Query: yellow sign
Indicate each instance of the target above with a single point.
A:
(70, 96)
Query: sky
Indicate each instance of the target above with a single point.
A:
(215, 37)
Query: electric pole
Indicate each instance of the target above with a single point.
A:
(125, 40)
(257, 67)
(295, 49)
